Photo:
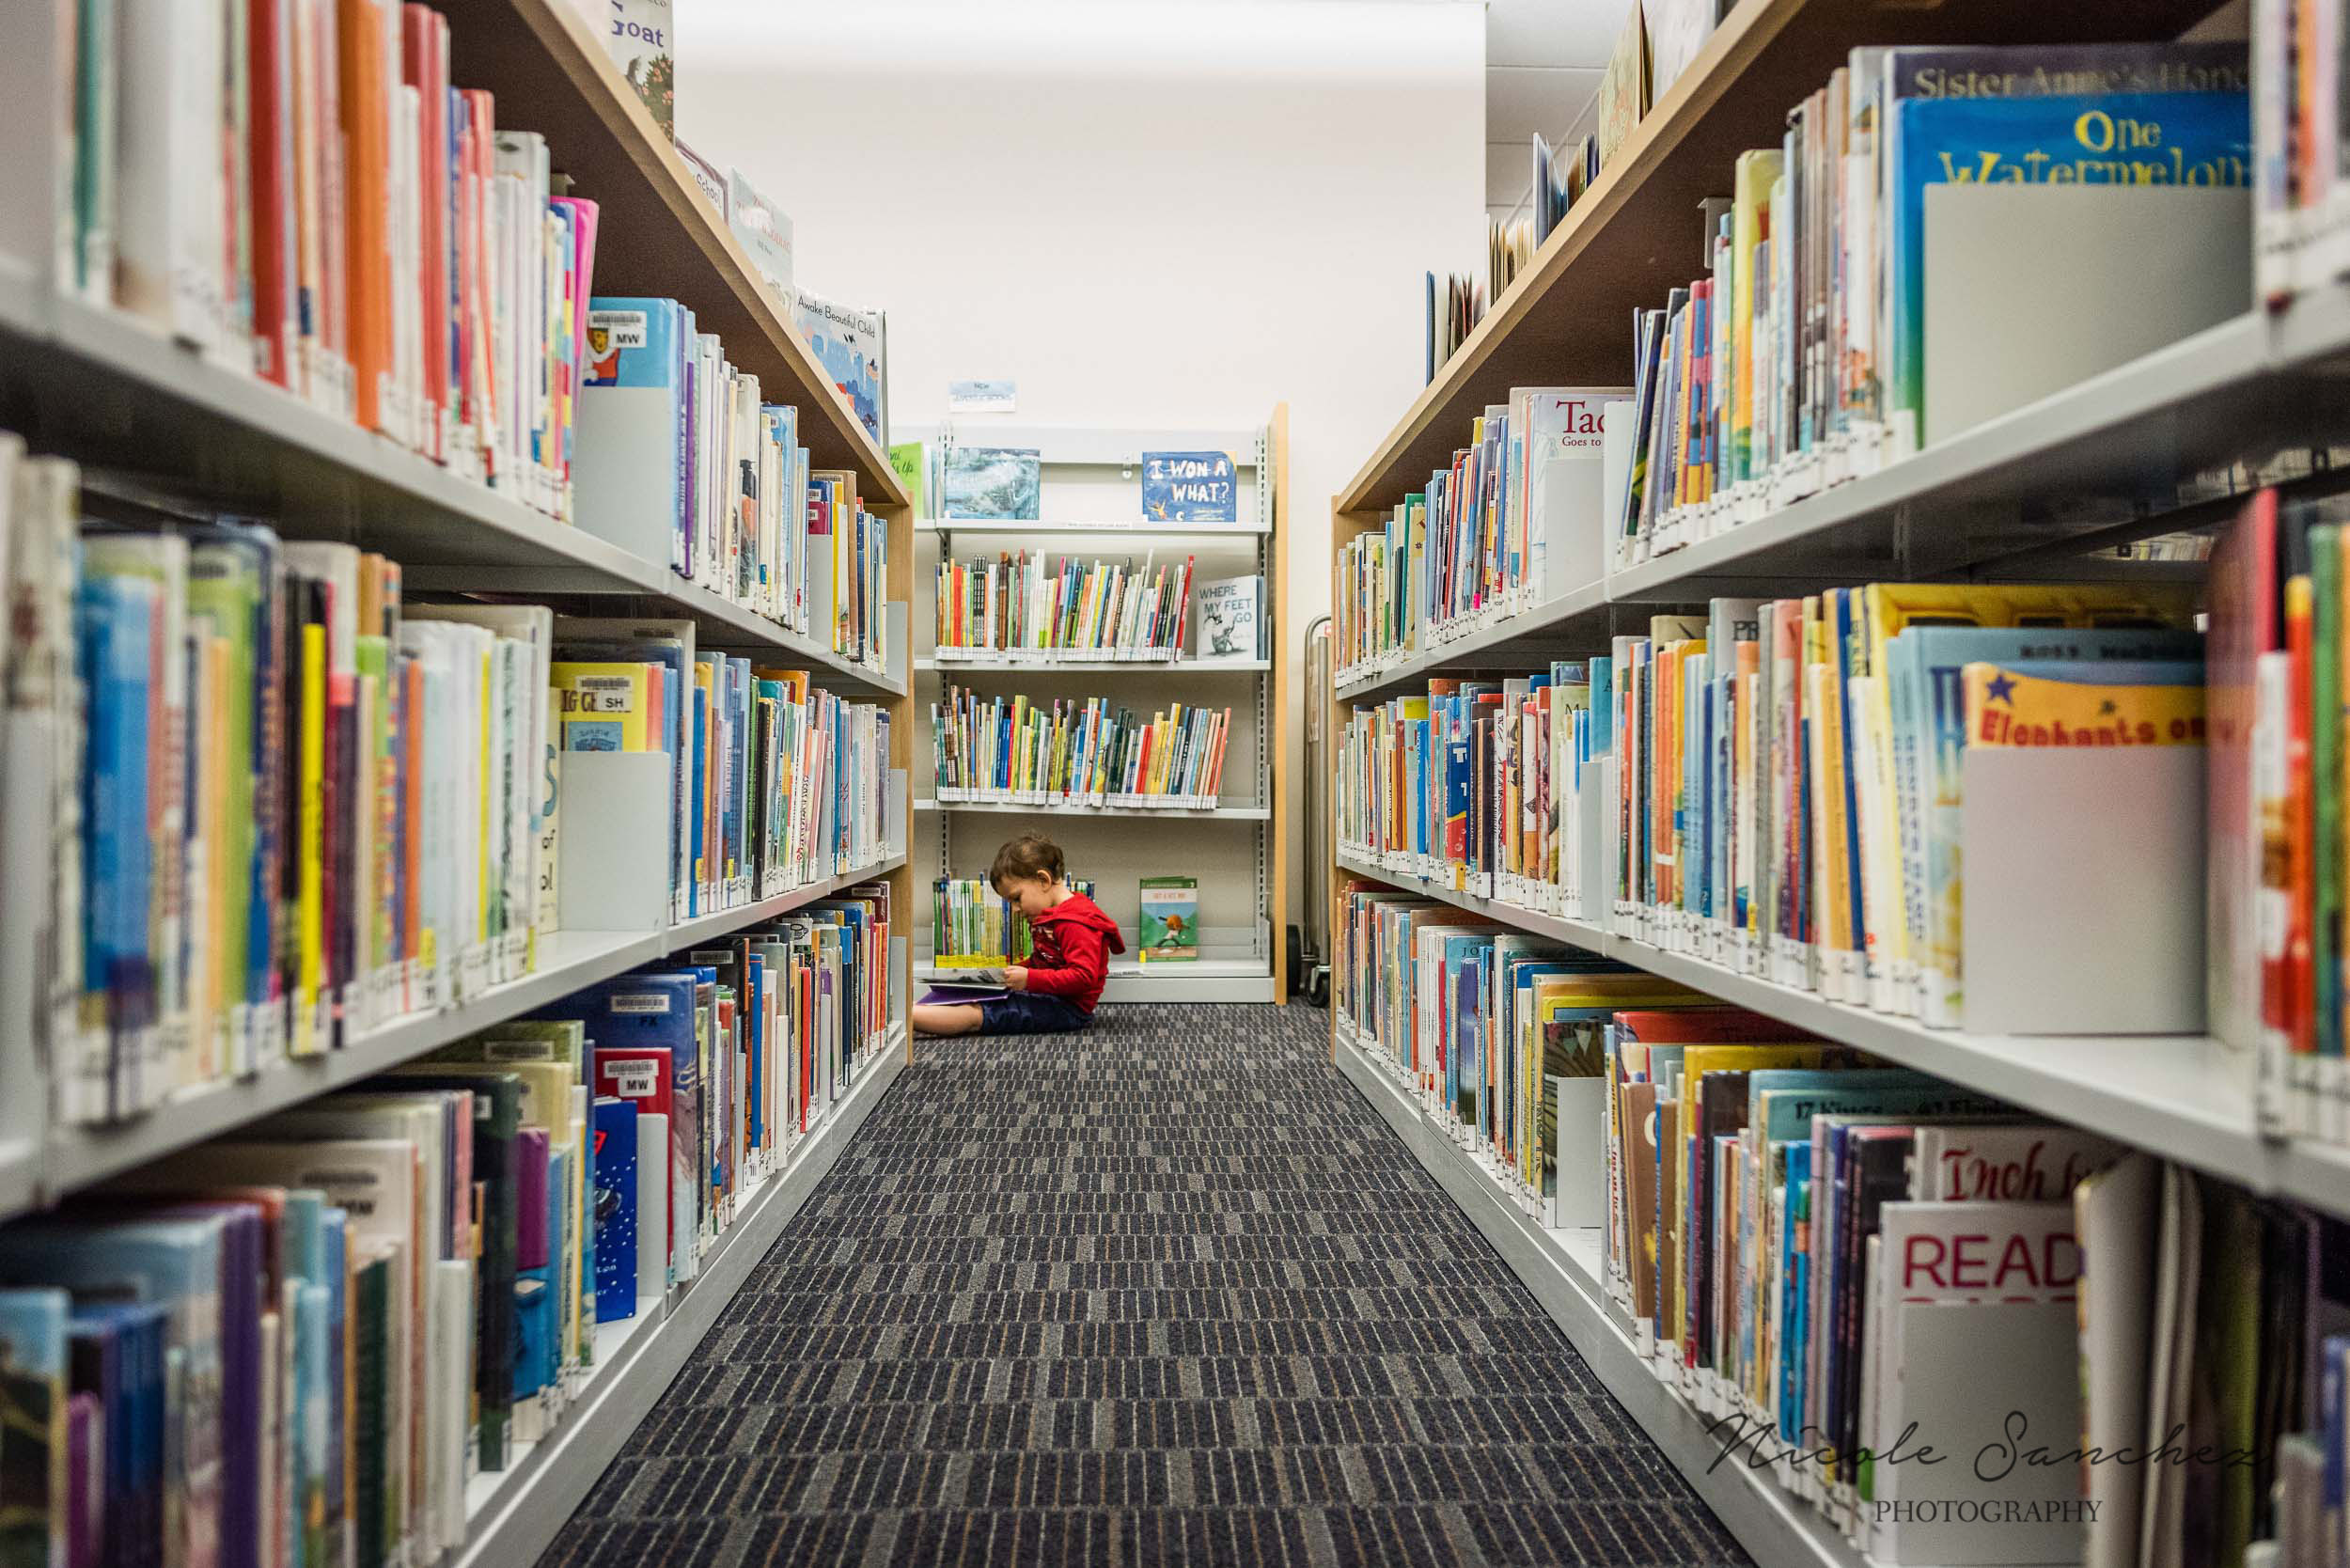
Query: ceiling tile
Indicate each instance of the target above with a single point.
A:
(1521, 99)
(1552, 32)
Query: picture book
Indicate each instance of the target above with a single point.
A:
(853, 348)
(641, 37)
(980, 483)
(764, 229)
(1231, 618)
(1170, 918)
(1189, 487)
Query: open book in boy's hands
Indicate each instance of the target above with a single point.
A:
(969, 987)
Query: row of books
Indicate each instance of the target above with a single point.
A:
(776, 781)
(681, 459)
(298, 1345)
(2302, 194)
(1799, 360)
(297, 190)
(1790, 773)
(2275, 936)
(1504, 529)
(972, 926)
(1101, 609)
(1813, 1251)
(1009, 749)
(274, 803)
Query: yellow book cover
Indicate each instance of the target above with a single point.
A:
(310, 903)
(223, 873)
(602, 706)
(795, 683)
(2007, 706)
(1756, 173)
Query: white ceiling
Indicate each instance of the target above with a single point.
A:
(1543, 64)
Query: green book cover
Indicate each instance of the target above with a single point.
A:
(1170, 918)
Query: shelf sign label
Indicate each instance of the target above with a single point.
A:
(982, 396)
(1188, 487)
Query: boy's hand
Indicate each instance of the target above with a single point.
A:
(1016, 979)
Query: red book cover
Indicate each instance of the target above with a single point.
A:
(2300, 982)
(269, 147)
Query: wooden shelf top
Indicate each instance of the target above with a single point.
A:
(1636, 232)
(656, 234)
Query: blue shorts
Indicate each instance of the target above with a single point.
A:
(1031, 1013)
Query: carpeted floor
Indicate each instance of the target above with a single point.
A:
(1167, 1293)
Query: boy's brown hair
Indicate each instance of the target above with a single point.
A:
(1030, 855)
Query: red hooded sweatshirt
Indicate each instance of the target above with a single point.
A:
(1070, 960)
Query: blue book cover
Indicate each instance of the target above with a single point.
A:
(1189, 487)
(1795, 1322)
(180, 1265)
(116, 617)
(2121, 139)
(613, 1138)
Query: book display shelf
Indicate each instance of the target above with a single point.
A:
(143, 414)
(2065, 487)
(1236, 842)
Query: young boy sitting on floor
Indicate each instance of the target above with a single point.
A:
(1062, 983)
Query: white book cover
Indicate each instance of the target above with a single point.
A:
(172, 239)
(1960, 1276)
(2012, 1163)
(653, 1198)
(1230, 617)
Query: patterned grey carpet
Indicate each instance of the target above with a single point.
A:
(1166, 1293)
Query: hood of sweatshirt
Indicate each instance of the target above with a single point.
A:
(1079, 910)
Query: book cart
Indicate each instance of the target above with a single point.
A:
(1238, 846)
(85, 382)
(2172, 439)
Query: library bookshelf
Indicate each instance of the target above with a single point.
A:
(119, 396)
(2172, 440)
(1241, 841)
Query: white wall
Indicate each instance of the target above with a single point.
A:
(1145, 212)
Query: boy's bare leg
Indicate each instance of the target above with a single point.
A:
(956, 1018)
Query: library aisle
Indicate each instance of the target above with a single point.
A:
(1163, 1293)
